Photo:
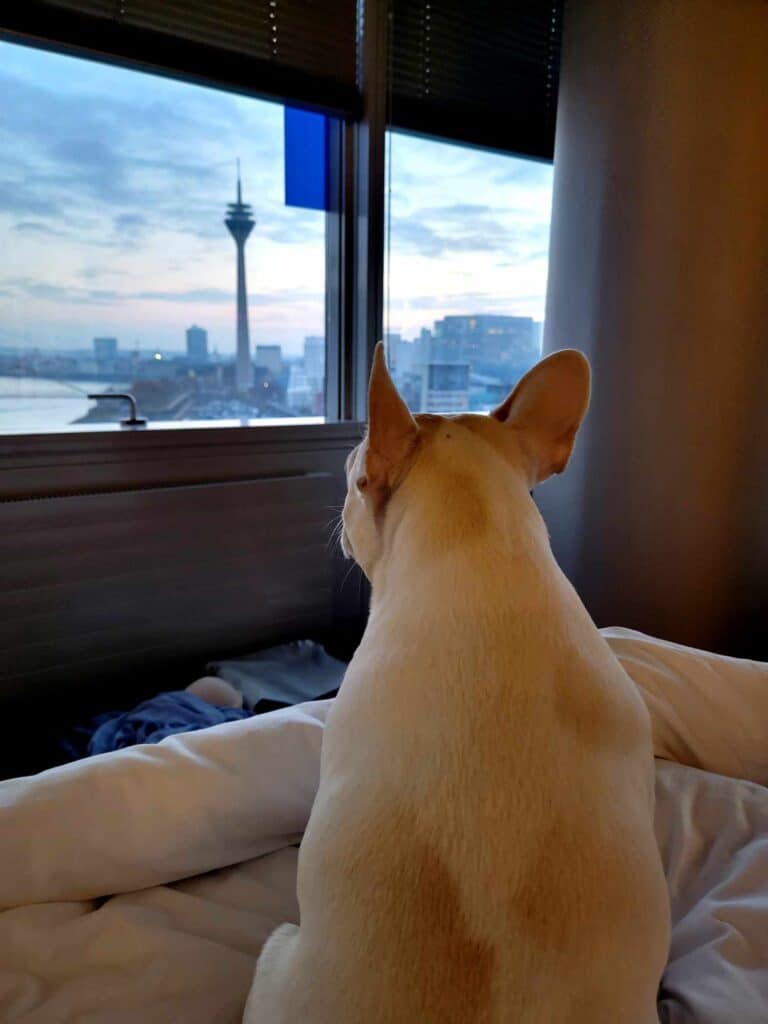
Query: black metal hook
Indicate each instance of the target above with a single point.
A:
(133, 420)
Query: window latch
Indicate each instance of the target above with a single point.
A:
(131, 421)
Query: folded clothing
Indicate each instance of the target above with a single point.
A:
(284, 675)
(265, 681)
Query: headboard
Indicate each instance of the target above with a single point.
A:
(117, 592)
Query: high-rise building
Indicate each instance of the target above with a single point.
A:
(197, 344)
(240, 222)
(392, 343)
(314, 371)
(501, 346)
(105, 348)
(299, 394)
(314, 358)
(270, 357)
(445, 388)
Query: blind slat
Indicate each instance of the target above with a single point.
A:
(312, 40)
(483, 72)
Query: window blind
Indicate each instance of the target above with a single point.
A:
(477, 71)
(302, 51)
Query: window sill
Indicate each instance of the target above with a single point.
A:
(111, 458)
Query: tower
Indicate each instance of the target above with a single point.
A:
(240, 222)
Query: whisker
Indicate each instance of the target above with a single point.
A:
(335, 534)
(353, 565)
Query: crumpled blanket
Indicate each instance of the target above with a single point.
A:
(138, 886)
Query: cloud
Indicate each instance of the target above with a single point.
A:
(90, 273)
(292, 296)
(434, 232)
(27, 287)
(38, 289)
(17, 199)
(109, 141)
(471, 303)
(129, 225)
(525, 172)
(32, 227)
(184, 295)
(138, 169)
(461, 211)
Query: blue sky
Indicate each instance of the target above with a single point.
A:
(113, 186)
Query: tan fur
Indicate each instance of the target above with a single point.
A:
(481, 848)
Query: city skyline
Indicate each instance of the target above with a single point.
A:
(110, 216)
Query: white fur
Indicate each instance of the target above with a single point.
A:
(481, 848)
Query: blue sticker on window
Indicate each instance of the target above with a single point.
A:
(306, 159)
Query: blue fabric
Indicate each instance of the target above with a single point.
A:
(268, 679)
(149, 722)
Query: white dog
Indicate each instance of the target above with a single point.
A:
(481, 849)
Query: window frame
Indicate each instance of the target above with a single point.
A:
(354, 256)
(355, 272)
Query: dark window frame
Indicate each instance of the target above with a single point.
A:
(355, 242)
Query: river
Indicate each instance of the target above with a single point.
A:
(31, 405)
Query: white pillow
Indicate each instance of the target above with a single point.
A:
(707, 710)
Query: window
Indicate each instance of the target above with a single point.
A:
(123, 217)
(468, 234)
(118, 271)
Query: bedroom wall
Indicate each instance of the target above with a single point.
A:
(659, 272)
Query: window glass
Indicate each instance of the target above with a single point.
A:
(468, 235)
(121, 226)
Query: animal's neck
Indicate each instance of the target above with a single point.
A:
(460, 545)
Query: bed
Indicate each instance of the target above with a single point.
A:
(191, 852)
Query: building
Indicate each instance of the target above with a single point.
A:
(197, 344)
(314, 358)
(299, 394)
(314, 372)
(500, 346)
(445, 388)
(105, 349)
(270, 357)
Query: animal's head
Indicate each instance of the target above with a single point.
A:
(533, 430)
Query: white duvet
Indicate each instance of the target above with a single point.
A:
(139, 886)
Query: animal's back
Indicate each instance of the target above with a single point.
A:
(482, 876)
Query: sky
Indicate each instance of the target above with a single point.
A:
(113, 189)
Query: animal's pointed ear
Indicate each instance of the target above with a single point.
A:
(547, 406)
(392, 430)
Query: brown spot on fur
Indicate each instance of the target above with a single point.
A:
(466, 513)
(430, 969)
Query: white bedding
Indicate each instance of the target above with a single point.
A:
(97, 929)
